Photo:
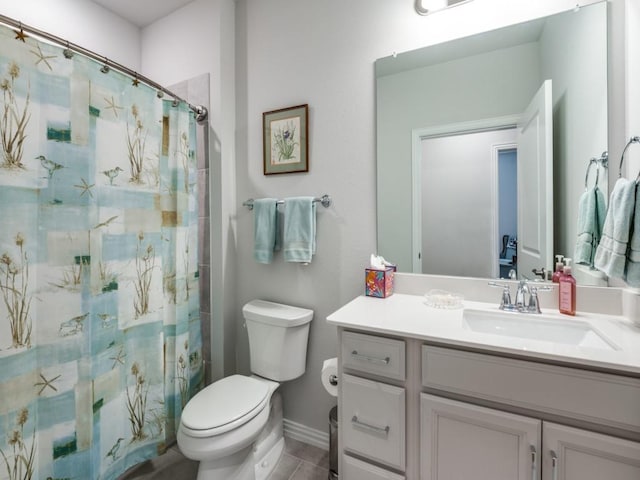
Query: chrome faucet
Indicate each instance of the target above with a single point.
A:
(521, 293)
(522, 303)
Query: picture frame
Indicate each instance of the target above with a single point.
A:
(286, 140)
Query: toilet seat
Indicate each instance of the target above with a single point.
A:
(224, 406)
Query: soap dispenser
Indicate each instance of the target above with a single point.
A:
(567, 290)
(557, 273)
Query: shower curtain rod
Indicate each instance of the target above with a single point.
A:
(200, 110)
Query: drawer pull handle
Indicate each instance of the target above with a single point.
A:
(376, 360)
(371, 428)
(554, 466)
(533, 462)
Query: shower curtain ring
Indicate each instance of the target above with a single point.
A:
(67, 52)
(105, 68)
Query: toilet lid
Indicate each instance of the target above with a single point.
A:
(225, 401)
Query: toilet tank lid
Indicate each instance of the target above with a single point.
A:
(276, 313)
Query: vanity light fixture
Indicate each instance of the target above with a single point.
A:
(427, 7)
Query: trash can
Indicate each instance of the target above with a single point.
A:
(333, 443)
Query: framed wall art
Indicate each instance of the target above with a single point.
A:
(285, 140)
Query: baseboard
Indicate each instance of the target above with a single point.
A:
(305, 434)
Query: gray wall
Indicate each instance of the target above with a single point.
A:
(290, 52)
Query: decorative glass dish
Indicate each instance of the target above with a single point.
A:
(443, 299)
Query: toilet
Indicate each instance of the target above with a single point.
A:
(233, 427)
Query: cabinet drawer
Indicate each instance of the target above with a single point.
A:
(354, 469)
(372, 418)
(569, 392)
(373, 354)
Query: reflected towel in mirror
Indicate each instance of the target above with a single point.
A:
(591, 215)
(612, 249)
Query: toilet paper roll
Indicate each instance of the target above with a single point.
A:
(329, 376)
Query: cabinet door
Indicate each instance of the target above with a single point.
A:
(464, 441)
(575, 454)
(372, 420)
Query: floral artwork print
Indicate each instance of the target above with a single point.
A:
(100, 335)
(285, 141)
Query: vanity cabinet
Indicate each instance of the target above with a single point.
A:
(463, 440)
(417, 411)
(495, 444)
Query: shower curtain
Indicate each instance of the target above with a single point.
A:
(100, 343)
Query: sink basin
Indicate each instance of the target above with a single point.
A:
(535, 327)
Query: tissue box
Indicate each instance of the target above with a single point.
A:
(379, 283)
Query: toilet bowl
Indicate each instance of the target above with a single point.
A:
(233, 427)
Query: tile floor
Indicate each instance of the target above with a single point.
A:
(299, 461)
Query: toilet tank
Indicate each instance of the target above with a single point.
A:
(278, 337)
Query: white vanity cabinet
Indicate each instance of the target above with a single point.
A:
(461, 440)
(413, 410)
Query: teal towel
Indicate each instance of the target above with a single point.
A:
(591, 214)
(612, 250)
(632, 273)
(264, 229)
(299, 233)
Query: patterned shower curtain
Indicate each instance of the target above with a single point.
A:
(100, 343)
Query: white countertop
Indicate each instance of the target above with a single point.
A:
(408, 316)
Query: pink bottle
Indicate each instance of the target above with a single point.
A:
(567, 287)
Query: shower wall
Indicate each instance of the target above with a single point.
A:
(196, 92)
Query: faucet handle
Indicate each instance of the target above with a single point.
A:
(505, 300)
(534, 303)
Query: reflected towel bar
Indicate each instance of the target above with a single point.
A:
(325, 200)
(635, 139)
(602, 161)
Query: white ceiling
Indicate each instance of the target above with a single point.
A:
(142, 12)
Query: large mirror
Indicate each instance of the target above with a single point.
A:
(450, 147)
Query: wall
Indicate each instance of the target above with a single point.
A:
(81, 22)
(196, 39)
(322, 53)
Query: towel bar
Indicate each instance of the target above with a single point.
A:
(325, 200)
(602, 161)
(632, 140)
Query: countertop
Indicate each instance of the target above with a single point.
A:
(409, 316)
